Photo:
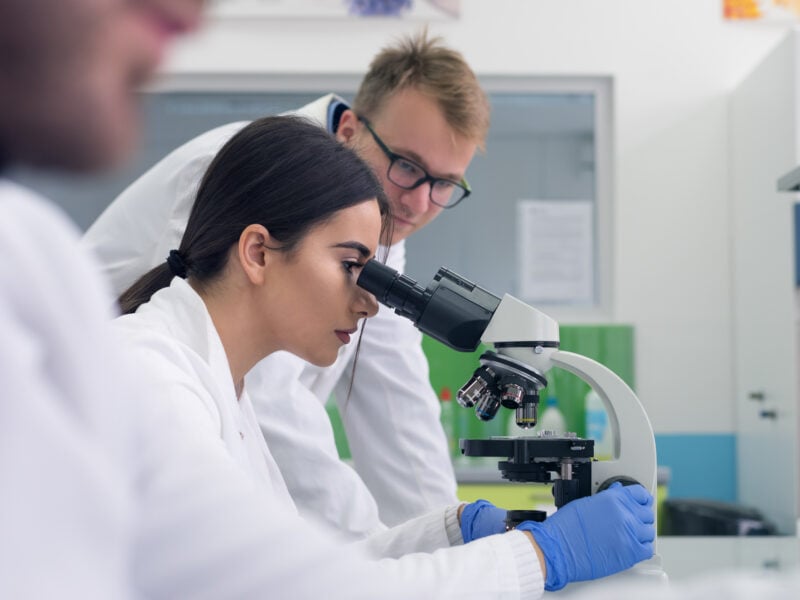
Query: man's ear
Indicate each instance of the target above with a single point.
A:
(348, 126)
(253, 252)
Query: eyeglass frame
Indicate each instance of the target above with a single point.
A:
(463, 185)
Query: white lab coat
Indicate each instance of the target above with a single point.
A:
(174, 339)
(63, 503)
(391, 415)
(108, 492)
(103, 492)
(176, 327)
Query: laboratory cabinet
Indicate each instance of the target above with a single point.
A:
(765, 145)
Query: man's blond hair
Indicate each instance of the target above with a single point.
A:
(428, 66)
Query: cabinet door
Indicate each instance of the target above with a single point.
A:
(764, 145)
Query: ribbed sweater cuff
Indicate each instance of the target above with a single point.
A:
(531, 579)
(452, 527)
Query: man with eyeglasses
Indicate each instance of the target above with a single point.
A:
(408, 175)
(417, 119)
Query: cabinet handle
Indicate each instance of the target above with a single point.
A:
(757, 396)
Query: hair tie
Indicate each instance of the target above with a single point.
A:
(177, 264)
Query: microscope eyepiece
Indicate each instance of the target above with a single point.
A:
(393, 289)
(451, 309)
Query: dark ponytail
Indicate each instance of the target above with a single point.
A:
(281, 172)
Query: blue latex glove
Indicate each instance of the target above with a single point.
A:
(480, 519)
(596, 536)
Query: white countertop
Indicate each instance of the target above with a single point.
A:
(686, 556)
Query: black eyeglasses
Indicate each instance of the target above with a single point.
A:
(407, 174)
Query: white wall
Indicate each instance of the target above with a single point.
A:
(673, 64)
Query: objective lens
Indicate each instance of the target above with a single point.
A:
(512, 395)
(470, 392)
(479, 384)
(525, 415)
(487, 407)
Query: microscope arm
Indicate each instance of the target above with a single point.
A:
(634, 444)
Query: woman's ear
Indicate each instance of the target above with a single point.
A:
(253, 252)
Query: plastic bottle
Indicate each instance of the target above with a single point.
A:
(551, 418)
(448, 419)
(598, 427)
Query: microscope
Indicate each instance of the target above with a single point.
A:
(461, 315)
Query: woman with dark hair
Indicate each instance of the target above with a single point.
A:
(283, 222)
